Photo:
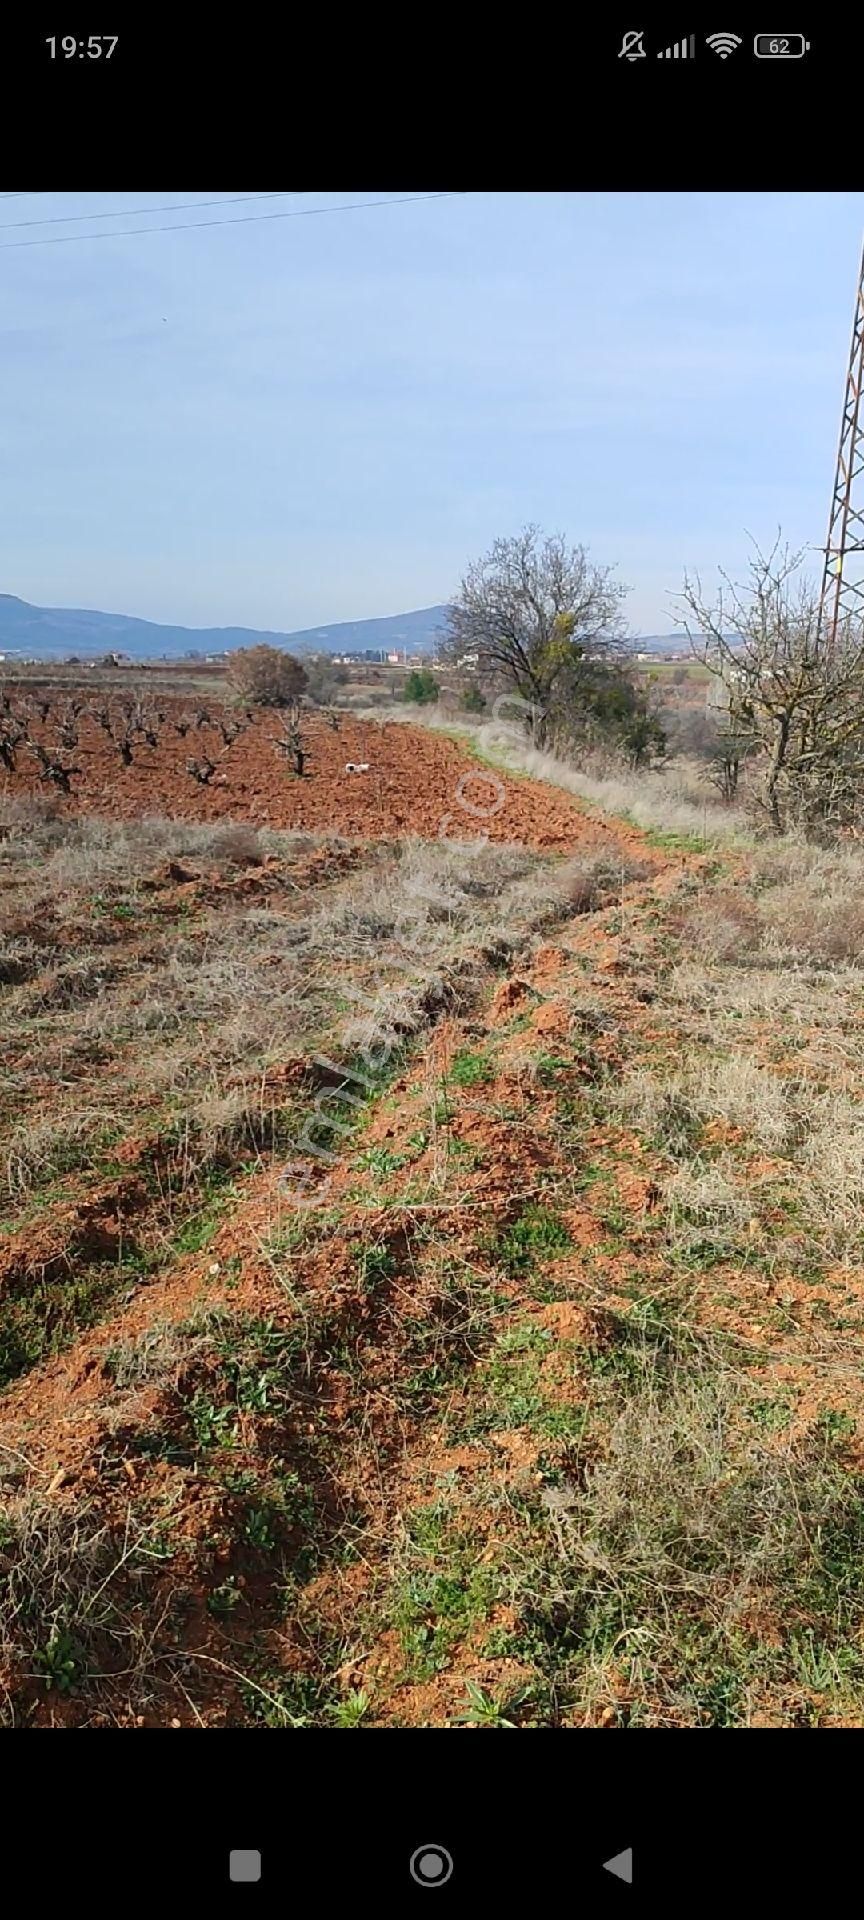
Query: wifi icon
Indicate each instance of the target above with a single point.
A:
(723, 43)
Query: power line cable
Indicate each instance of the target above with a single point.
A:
(128, 213)
(238, 220)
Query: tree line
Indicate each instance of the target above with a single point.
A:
(537, 620)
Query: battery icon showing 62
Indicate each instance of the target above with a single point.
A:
(780, 46)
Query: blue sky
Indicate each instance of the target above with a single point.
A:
(307, 420)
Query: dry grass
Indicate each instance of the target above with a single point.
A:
(746, 1095)
(56, 855)
(594, 880)
(723, 926)
(160, 1354)
(179, 1024)
(20, 958)
(783, 946)
(749, 996)
(705, 1208)
(70, 1593)
(432, 900)
(738, 1090)
(428, 915)
(38, 1150)
(670, 801)
(832, 1159)
(799, 903)
(819, 915)
(692, 1523)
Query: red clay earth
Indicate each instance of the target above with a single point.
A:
(418, 782)
(61, 1431)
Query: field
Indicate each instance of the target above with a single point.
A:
(125, 768)
(431, 1282)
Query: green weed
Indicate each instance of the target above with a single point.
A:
(353, 1710)
(471, 1069)
(538, 1234)
(59, 1663)
(485, 1710)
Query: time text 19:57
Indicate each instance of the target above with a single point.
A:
(97, 46)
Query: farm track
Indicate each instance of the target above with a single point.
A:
(98, 1251)
(69, 1427)
(315, 1465)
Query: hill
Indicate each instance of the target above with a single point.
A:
(661, 642)
(51, 633)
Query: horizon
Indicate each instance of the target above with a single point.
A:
(322, 626)
(206, 425)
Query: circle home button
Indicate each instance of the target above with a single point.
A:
(431, 1866)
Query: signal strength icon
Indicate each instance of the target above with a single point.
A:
(682, 50)
(723, 43)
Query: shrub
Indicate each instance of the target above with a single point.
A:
(238, 845)
(325, 679)
(421, 687)
(591, 880)
(266, 677)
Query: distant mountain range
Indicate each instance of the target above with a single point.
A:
(660, 643)
(52, 633)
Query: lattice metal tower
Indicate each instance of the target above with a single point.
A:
(843, 576)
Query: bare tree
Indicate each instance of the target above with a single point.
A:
(790, 690)
(201, 770)
(12, 732)
(231, 729)
(124, 734)
(124, 725)
(536, 618)
(143, 723)
(67, 731)
(52, 769)
(724, 768)
(291, 743)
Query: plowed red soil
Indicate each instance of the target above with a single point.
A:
(418, 782)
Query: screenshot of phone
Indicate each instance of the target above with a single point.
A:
(431, 960)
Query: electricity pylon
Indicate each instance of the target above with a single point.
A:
(843, 576)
